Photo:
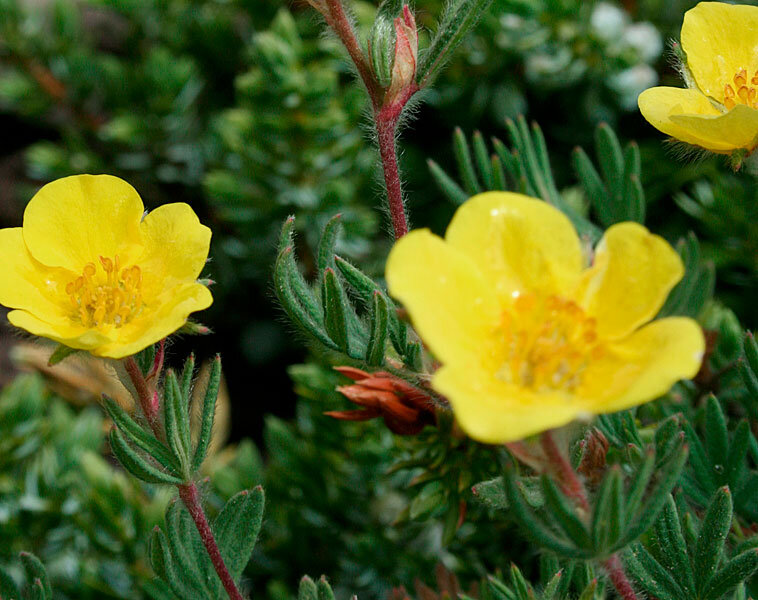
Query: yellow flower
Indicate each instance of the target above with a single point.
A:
(528, 336)
(88, 271)
(720, 110)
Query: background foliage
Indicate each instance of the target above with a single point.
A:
(248, 112)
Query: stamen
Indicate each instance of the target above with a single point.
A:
(746, 94)
(112, 297)
(547, 343)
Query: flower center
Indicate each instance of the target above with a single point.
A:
(741, 92)
(548, 343)
(111, 295)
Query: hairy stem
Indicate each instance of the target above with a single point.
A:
(191, 498)
(340, 23)
(574, 488)
(568, 478)
(618, 577)
(148, 398)
(385, 129)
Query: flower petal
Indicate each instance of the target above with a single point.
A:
(660, 104)
(66, 332)
(171, 312)
(719, 40)
(644, 365)
(27, 284)
(176, 246)
(72, 221)
(737, 128)
(519, 243)
(451, 304)
(632, 274)
(494, 412)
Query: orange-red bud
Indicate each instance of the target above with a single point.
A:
(406, 409)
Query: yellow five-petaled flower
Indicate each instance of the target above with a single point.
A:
(719, 111)
(531, 338)
(88, 271)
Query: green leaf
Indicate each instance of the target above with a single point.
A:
(35, 570)
(608, 515)
(297, 298)
(712, 536)
(735, 571)
(447, 184)
(208, 415)
(307, 589)
(136, 464)
(335, 317)
(651, 575)
(482, 156)
(667, 477)
(324, 589)
(530, 524)
(60, 353)
(188, 554)
(176, 422)
(716, 435)
(465, 163)
(326, 246)
(458, 18)
(563, 510)
(162, 563)
(377, 342)
(8, 588)
(668, 532)
(141, 438)
(187, 374)
(236, 528)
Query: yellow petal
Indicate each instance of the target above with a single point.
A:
(519, 243)
(27, 284)
(645, 365)
(719, 40)
(494, 412)
(68, 332)
(450, 302)
(176, 246)
(659, 105)
(72, 221)
(737, 128)
(153, 324)
(631, 276)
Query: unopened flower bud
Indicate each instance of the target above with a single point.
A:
(406, 55)
(406, 409)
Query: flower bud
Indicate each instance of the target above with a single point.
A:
(406, 55)
(406, 409)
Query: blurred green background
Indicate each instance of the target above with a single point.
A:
(248, 112)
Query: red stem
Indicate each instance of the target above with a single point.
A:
(150, 403)
(148, 398)
(385, 129)
(574, 488)
(191, 498)
(618, 577)
(340, 23)
(568, 478)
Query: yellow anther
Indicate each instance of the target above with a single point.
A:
(111, 297)
(746, 94)
(547, 343)
(740, 78)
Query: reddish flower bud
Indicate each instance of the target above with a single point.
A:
(406, 55)
(406, 409)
